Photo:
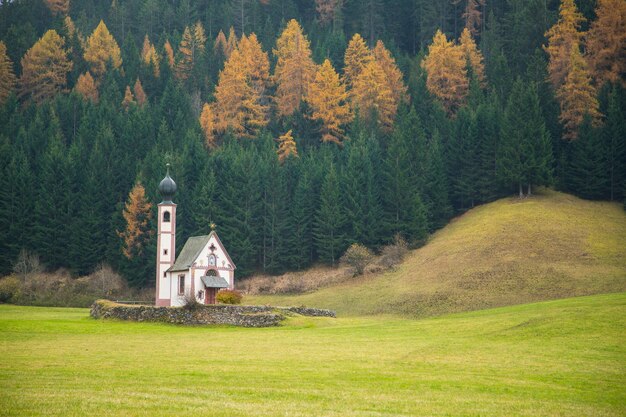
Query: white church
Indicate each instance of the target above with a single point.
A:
(202, 268)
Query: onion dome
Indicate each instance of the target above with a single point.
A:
(167, 187)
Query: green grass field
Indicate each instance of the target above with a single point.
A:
(511, 251)
(556, 358)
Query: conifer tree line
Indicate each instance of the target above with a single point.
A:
(298, 127)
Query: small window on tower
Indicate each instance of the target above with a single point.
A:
(164, 251)
(164, 274)
(166, 216)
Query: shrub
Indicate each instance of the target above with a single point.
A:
(9, 289)
(393, 254)
(190, 302)
(358, 257)
(229, 297)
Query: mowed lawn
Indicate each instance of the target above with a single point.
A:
(565, 357)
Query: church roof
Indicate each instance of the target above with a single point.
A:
(191, 251)
(214, 282)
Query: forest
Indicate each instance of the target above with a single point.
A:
(295, 127)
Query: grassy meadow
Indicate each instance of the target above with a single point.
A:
(556, 358)
(511, 251)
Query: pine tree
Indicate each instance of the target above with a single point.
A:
(562, 38)
(525, 154)
(7, 76)
(401, 173)
(44, 68)
(140, 95)
(205, 210)
(373, 97)
(295, 69)
(327, 98)
(101, 48)
(53, 204)
(436, 185)
(207, 123)
(613, 134)
(86, 87)
(286, 147)
(328, 229)
(577, 96)
(586, 172)
(446, 71)
(303, 215)
(361, 191)
(605, 42)
(356, 58)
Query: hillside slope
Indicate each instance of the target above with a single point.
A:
(512, 251)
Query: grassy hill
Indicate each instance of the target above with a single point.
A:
(557, 358)
(512, 251)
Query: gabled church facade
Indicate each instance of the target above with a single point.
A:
(203, 266)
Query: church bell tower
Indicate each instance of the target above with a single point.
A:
(166, 239)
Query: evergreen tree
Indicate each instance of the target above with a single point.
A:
(436, 185)
(403, 180)
(525, 154)
(587, 164)
(361, 191)
(330, 220)
(614, 144)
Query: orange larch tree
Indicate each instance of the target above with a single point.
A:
(191, 46)
(393, 75)
(373, 97)
(446, 70)
(328, 100)
(137, 214)
(140, 95)
(100, 49)
(577, 96)
(58, 6)
(7, 76)
(328, 10)
(231, 44)
(149, 55)
(44, 68)
(286, 147)
(606, 43)
(241, 93)
(473, 16)
(295, 68)
(169, 53)
(128, 98)
(356, 58)
(561, 37)
(220, 45)
(86, 87)
(472, 55)
(207, 122)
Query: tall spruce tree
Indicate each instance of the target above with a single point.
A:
(330, 220)
(525, 153)
(586, 174)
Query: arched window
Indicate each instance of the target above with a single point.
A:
(166, 216)
(211, 273)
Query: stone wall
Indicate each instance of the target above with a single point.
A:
(234, 315)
